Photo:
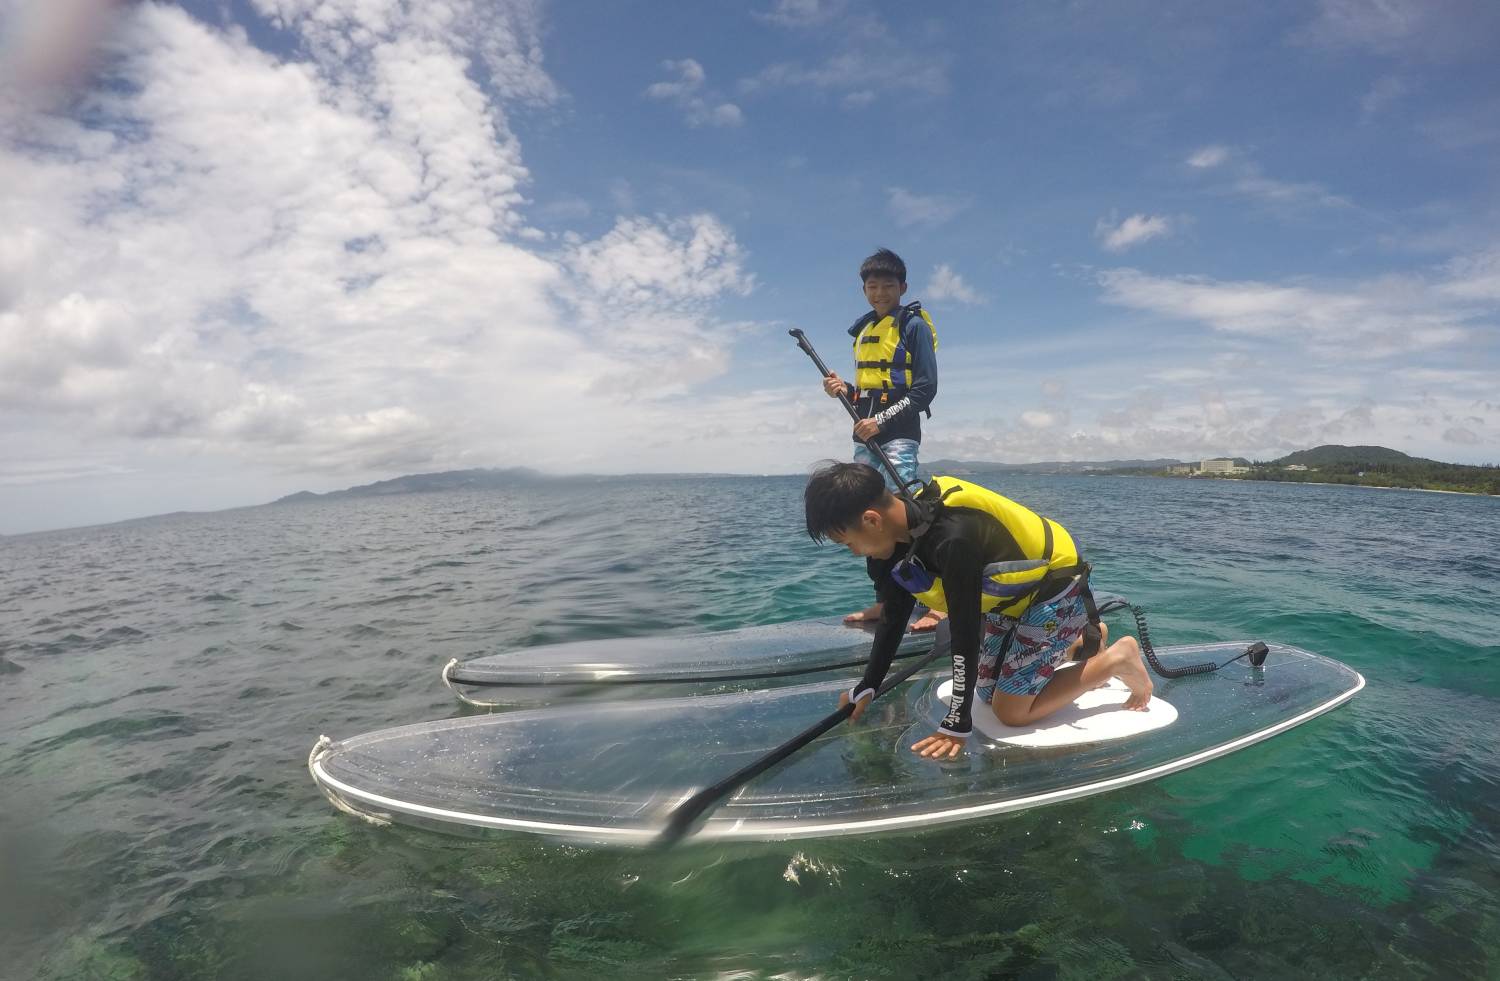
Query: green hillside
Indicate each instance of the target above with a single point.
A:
(1378, 466)
(1358, 456)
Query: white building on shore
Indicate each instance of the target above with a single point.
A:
(1221, 466)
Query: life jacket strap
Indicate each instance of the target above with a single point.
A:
(1092, 636)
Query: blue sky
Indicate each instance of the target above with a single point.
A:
(266, 245)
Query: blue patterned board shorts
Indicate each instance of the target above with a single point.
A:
(1018, 657)
(901, 452)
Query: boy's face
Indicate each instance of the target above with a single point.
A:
(873, 537)
(884, 293)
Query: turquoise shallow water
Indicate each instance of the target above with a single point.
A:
(163, 680)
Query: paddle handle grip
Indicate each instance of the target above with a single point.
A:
(807, 348)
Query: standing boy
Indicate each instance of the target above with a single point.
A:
(895, 381)
(1011, 580)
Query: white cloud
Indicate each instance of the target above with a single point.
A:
(1133, 230)
(1363, 320)
(1209, 156)
(802, 13)
(862, 72)
(500, 40)
(1246, 178)
(1226, 413)
(1473, 277)
(1293, 194)
(691, 76)
(949, 285)
(909, 209)
(321, 262)
(1410, 29)
(699, 107)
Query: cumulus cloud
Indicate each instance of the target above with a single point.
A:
(322, 262)
(699, 106)
(909, 209)
(949, 285)
(1133, 230)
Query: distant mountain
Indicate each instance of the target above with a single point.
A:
(1321, 459)
(479, 479)
(1358, 456)
(419, 482)
(1058, 466)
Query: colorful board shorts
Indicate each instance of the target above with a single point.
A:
(1018, 656)
(901, 452)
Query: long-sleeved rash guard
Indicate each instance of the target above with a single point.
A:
(957, 547)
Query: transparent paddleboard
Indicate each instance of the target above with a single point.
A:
(725, 660)
(611, 772)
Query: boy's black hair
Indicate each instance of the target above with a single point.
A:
(883, 263)
(838, 494)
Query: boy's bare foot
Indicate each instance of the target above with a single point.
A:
(928, 621)
(868, 615)
(1126, 664)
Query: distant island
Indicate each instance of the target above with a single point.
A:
(1370, 466)
(418, 482)
(1366, 466)
(479, 478)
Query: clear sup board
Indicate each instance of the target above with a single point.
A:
(727, 660)
(611, 772)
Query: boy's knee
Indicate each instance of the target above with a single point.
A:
(1011, 715)
(1129, 645)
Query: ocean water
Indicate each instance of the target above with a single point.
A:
(162, 681)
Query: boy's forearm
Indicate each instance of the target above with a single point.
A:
(965, 623)
(896, 609)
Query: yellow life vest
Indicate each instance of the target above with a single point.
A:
(881, 360)
(1008, 588)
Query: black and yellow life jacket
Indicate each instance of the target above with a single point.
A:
(881, 360)
(1008, 587)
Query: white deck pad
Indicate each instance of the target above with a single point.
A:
(1095, 716)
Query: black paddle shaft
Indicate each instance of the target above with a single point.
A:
(686, 815)
(874, 447)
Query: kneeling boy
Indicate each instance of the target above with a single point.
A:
(1011, 581)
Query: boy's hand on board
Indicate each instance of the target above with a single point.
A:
(865, 698)
(939, 746)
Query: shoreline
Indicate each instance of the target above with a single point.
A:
(1323, 483)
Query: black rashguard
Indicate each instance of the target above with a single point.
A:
(957, 547)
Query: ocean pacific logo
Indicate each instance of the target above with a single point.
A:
(956, 699)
